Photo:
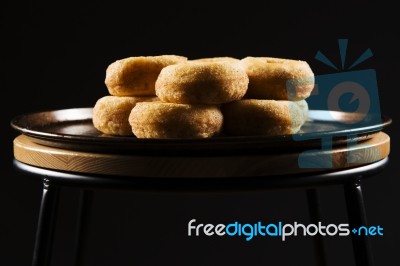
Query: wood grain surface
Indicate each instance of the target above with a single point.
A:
(234, 165)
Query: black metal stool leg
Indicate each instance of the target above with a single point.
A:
(84, 204)
(357, 218)
(315, 217)
(46, 224)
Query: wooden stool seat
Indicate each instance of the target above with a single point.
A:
(229, 165)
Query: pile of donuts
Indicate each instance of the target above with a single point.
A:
(169, 96)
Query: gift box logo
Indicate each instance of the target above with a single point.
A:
(350, 92)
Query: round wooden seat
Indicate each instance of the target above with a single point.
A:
(229, 165)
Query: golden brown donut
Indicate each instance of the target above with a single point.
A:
(217, 59)
(172, 120)
(264, 117)
(111, 113)
(202, 83)
(278, 79)
(136, 76)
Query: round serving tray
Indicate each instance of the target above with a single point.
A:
(73, 129)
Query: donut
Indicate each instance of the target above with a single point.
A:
(172, 120)
(111, 113)
(264, 117)
(278, 79)
(202, 83)
(217, 59)
(136, 76)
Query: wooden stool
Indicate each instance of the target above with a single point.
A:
(60, 167)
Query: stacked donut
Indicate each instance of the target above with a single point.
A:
(170, 97)
(129, 81)
(274, 103)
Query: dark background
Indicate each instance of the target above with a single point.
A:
(55, 56)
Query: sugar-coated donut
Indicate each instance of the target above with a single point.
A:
(171, 120)
(202, 82)
(111, 113)
(278, 79)
(217, 59)
(264, 117)
(136, 76)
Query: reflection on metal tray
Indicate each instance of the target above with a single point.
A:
(73, 129)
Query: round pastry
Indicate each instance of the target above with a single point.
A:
(136, 76)
(202, 83)
(111, 113)
(217, 59)
(171, 120)
(264, 117)
(278, 79)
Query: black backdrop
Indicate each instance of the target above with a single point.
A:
(55, 56)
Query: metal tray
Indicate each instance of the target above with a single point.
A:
(73, 129)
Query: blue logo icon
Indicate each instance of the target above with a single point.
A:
(347, 92)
